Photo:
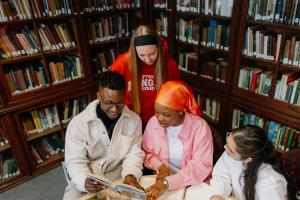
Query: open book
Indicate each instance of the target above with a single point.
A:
(119, 187)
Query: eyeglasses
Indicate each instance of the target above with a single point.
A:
(110, 105)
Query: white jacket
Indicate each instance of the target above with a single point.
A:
(88, 148)
(227, 178)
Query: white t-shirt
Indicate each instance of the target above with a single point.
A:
(175, 148)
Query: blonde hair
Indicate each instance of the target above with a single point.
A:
(136, 64)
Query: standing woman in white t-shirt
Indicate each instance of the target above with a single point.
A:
(248, 169)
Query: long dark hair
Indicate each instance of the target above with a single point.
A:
(252, 141)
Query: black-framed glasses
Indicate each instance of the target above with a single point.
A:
(110, 105)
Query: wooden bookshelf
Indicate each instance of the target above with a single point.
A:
(40, 78)
(228, 92)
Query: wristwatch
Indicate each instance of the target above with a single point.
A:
(166, 183)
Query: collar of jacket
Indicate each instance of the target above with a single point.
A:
(91, 114)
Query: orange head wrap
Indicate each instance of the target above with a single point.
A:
(178, 96)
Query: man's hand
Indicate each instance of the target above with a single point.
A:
(163, 172)
(131, 180)
(216, 197)
(155, 190)
(93, 186)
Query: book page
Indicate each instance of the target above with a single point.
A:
(196, 192)
(129, 190)
(147, 181)
(102, 180)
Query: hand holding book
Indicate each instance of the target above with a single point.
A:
(93, 186)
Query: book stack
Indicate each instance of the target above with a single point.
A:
(214, 69)
(243, 118)
(47, 147)
(103, 60)
(20, 43)
(101, 30)
(30, 76)
(51, 8)
(160, 4)
(215, 34)
(14, 10)
(256, 80)
(3, 137)
(210, 106)
(278, 11)
(187, 30)
(123, 4)
(262, 44)
(291, 52)
(55, 37)
(188, 62)
(282, 136)
(288, 88)
(37, 121)
(8, 167)
(71, 108)
(65, 68)
(97, 6)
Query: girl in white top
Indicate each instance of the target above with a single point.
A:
(248, 168)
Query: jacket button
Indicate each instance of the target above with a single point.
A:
(103, 132)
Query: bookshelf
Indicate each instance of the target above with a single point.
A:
(237, 75)
(49, 73)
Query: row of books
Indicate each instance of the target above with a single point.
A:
(122, 4)
(39, 120)
(160, 3)
(65, 68)
(97, 6)
(45, 148)
(26, 78)
(50, 8)
(282, 136)
(187, 30)
(188, 62)
(101, 30)
(161, 24)
(126, 26)
(3, 136)
(262, 44)
(14, 10)
(256, 80)
(70, 108)
(56, 36)
(279, 11)
(104, 59)
(215, 34)
(8, 167)
(20, 43)
(210, 106)
(291, 52)
(207, 7)
(214, 69)
(243, 118)
(288, 88)
(30, 77)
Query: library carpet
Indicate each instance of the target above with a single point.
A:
(48, 186)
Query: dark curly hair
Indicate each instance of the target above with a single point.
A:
(112, 80)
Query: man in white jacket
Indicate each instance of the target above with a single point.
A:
(104, 139)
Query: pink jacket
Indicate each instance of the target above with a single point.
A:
(197, 155)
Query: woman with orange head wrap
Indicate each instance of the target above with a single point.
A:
(177, 141)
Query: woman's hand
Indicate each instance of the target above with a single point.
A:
(131, 180)
(163, 172)
(216, 197)
(155, 190)
(93, 186)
